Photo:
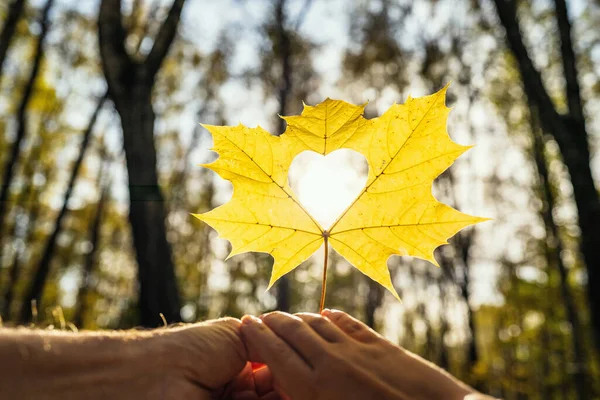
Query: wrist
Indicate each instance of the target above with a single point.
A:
(207, 353)
(427, 380)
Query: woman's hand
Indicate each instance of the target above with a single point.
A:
(334, 356)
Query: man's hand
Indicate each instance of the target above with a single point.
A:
(335, 356)
(214, 357)
(200, 361)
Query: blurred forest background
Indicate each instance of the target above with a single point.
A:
(99, 108)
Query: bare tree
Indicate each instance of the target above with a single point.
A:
(130, 82)
(554, 248)
(570, 133)
(21, 134)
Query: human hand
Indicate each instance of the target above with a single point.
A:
(200, 361)
(214, 364)
(251, 384)
(336, 356)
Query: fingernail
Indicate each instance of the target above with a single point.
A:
(332, 313)
(249, 319)
(266, 314)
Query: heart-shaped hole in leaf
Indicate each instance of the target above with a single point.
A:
(327, 185)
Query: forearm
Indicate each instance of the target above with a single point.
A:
(426, 379)
(36, 364)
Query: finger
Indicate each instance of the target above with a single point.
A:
(297, 334)
(263, 381)
(351, 326)
(323, 326)
(253, 355)
(288, 368)
(273, 396)
(215, 348)
(241, 385)
(257, 365)
(246, 395)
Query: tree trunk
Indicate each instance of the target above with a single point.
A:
(91, 258)
(15, 269)
(554, 248)
(283, 286)
(444, 357)
(10, 24)
(463, 246)
(374, 299)
(11, 162)
(36, 289)
(570, 134)
(156, 276)
(28, 195)
(130, 85)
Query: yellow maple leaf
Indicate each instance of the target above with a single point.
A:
(395, 213)
(264, 214)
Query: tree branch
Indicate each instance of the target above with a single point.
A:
(302, 15)
(164, 39)
(532, 80)
(10, 24)
(285, 50)
(569, 62)
(116, 63)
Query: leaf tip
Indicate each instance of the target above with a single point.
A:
(392, 290)
(206, 165)
(208, 127)
(199, 216)
(272, 281)
(465, 147)
(482, 219)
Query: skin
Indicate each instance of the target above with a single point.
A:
(334, 355)
(307, 356)
(199, 361)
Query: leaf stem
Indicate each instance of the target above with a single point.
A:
(325, 259)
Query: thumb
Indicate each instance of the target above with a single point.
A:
(215, 351)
